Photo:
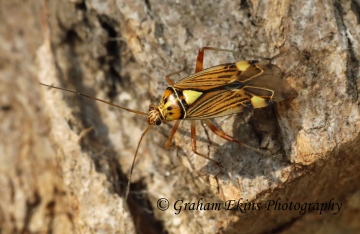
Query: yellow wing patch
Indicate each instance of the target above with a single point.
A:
(242, 65)
(191, 96)
(258, 102)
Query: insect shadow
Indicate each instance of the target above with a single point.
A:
(258, 129)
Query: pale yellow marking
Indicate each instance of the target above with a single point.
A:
(178, 98)
(242, 65)
(258, 102)
(191, 96)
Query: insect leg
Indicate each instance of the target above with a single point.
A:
(230, 138)
(200, 57)
(170, 81)
(172, 133)
(193, 140)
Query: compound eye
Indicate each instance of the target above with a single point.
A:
(151, 108)
(158, 121)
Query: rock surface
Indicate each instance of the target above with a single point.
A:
(65, 159)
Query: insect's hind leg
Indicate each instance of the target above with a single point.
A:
(200, 57)
(193, 140)
(230, 138)
(199, 61)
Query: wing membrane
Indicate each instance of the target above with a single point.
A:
(266, 84)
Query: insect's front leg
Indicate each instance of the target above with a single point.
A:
(193, 140)
(230, 138)
(172, 133)
(169, 80)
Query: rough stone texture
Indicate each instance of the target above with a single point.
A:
(66, 158)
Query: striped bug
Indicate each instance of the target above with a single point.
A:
(210, 93)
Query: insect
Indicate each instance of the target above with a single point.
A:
(209, 93)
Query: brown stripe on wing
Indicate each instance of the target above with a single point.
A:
(210, 78)
(220, 103)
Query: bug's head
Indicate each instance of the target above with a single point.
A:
(154, 116)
